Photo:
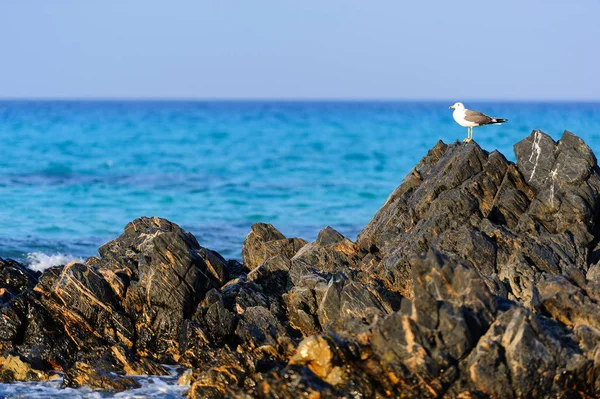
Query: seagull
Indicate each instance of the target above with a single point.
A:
(470, 119)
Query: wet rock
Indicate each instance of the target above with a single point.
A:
(131, 365)
(82, 374)
(12, 368)
(14, 279)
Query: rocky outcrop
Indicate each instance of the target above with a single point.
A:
(14, 279)
(478, 277)
(12, 368)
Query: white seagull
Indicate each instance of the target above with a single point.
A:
(470, 119)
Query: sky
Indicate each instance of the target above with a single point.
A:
(302, 49)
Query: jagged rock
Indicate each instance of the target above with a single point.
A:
(258, 328)
(12, 368)
(510, 222)
(14, 279)
(316, 354)
(330, 289)
(165, 274)
(477, 278)
(331, 252)
(568, 303)
(216, 265)
(264, 242)
(82, 374)
(86, 306)
(273, 274)
(220, 320)
(253, 249)
(134, 366)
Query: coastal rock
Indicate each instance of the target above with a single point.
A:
(265, 242)
(82, 374)
(165, 274)
(12, 368)
(510, 222)
(14, 279)
(478, 277)
(88, 322)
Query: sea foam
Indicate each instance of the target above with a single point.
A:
(151, 387)
(40, 261)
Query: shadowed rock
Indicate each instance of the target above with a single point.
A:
(14, 279)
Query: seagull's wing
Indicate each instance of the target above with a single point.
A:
(477, 117)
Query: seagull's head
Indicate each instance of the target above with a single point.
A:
(457, 106)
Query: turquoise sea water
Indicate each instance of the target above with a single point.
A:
(72, 174)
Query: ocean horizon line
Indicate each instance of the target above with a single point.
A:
(298, 100)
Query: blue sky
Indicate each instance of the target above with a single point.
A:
(316, 49)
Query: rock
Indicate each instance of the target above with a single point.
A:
(253, 249)
(330, 289)
(331, 252)
(258, 328)
(568, 303)
(273, 274)
(94, 319)
(315, 353)
(82, 374)
(185, 378)
(499, 217)
(264, 242)
(216, 265)
(12, 368)
(14, 279)
(133, 366)
(166, 275)
(526, 356)
(477, 278)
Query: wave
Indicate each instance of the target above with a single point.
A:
(151, 387)
(40, 261)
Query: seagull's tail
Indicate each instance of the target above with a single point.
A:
(499, 120)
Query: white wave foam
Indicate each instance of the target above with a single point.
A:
(151, 387)
(40, 261)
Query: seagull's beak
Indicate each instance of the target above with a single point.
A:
(452, 106)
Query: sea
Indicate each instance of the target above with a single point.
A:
(74, 173)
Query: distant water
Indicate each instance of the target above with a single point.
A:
(72, 174)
